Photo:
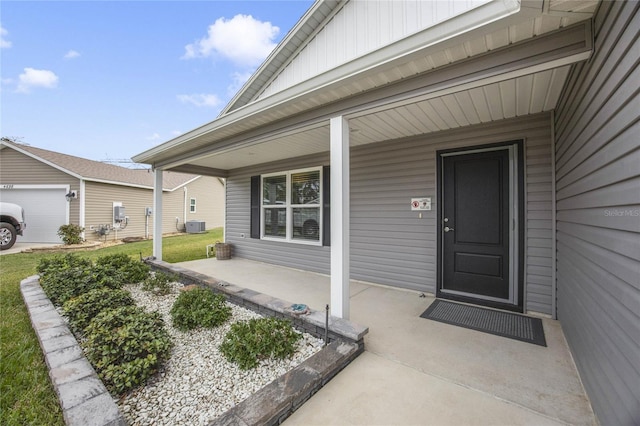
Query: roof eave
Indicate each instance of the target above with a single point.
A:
(42, 160)
(475, 18)
(286, 43)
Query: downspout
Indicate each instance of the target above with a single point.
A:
(554, 266)
(82, 198)
(184, 210)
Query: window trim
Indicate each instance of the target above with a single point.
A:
(192, 205)
(289, 207)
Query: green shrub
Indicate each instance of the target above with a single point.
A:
(66, 284)
(134, 271)
(199, 307)
(74, 281)
(158, 283)
(248, 342)
(55, 264)
(70, 234)
(82, 309)
(107, 276)
(60, 275)
(65, 277)
(126, 346)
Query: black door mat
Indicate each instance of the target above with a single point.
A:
(506, 324)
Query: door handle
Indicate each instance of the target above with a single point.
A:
(447, 229)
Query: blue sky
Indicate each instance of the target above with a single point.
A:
(110, 79)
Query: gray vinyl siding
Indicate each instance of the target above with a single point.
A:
(389, 243)
(598, 226)
(19, 169)
(238, 205)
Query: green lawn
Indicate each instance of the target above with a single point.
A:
(26, 394)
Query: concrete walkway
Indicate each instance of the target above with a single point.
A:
(416, 371)
(19, 247)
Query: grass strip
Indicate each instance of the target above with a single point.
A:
(26, 394)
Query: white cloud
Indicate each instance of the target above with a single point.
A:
(32, 78)
(4, 44)
(176, 133)
(153, 137)
(71, 54)
(200, 100)
(243, 40)
(238, 79)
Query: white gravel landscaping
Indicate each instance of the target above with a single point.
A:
(197, 384)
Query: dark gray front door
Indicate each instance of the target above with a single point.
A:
(475, 224)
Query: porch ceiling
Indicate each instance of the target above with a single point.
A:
(296, 124)
(529, 94)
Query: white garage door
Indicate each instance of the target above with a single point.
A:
(45, 211)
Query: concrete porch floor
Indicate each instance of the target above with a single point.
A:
(417, 371)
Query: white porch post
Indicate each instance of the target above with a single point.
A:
(157, 214)
(340, 217)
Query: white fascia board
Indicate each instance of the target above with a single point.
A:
(447, 30)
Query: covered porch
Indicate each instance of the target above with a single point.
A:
(557, 81)
(418, 371)
(395, 131)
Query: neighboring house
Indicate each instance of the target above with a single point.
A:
(57, 189)
(482, 151)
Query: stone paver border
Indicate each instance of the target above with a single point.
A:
(83, 397)
(85, 400)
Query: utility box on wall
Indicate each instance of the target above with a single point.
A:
(195, 226)
(119, 214)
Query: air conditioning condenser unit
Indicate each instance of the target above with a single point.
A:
(195, 226)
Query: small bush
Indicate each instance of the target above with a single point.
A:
(199, 308)
(158, 283)
(134, 271)
(248, 342)
(107, 276)
(60, 276)
(66, 284)
(65, 277)
(70, 234)
(82, 309)
(55, 264)
(126, 346)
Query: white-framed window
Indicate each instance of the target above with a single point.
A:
(192, 205)
(291, 206)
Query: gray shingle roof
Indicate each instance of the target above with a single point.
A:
(98, 171)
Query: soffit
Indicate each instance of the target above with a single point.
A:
(530, 94)
(518, 96)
